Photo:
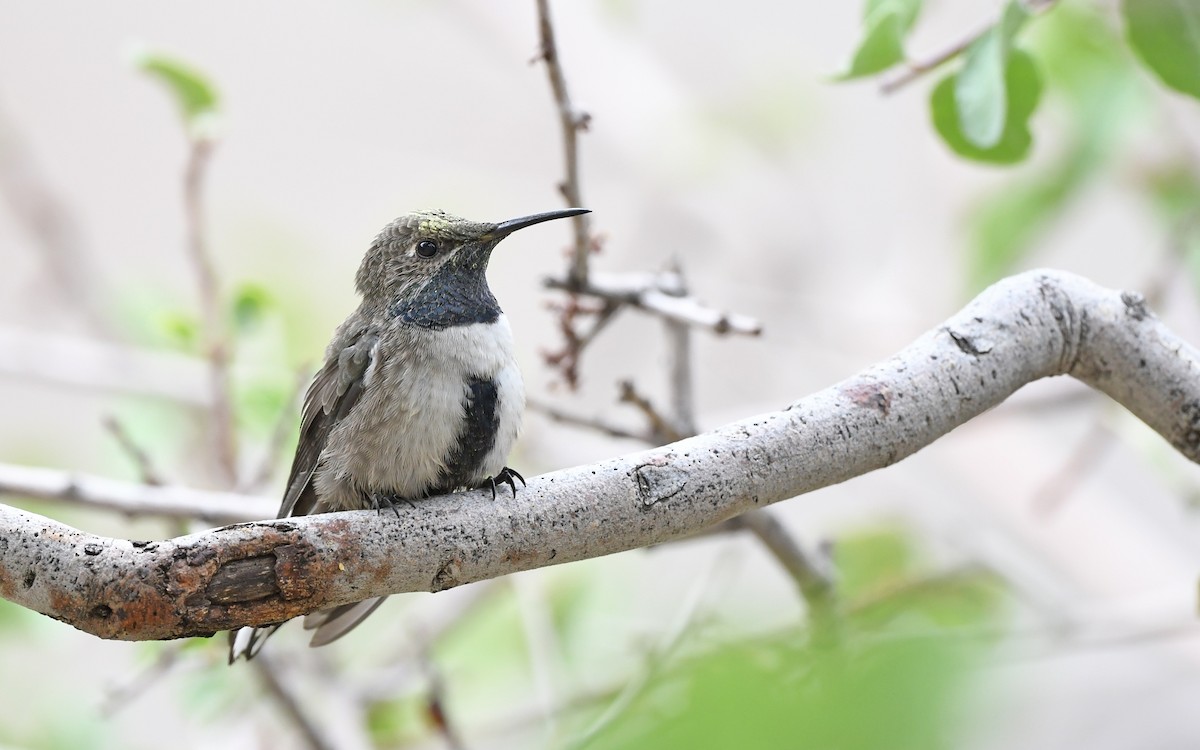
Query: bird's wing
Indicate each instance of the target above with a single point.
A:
(333, 393)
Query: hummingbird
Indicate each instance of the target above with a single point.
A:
(419, 394)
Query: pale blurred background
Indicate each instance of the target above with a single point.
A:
(832, 213)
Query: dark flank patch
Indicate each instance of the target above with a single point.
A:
(457, 295)
(476, 437)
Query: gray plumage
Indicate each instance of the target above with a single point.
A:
(419, 394)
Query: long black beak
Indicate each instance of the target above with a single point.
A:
(505, 228)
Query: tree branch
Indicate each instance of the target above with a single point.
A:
(216, 343)
(571, 120)
(134, 499)
(658, 294)
(1034, 325)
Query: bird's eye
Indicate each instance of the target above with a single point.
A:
(427, 248)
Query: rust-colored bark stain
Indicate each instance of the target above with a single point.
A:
(869, 395)
(163, 594)
(198, 586)
(293, 564)
(521, 558)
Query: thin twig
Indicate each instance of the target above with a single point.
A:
(46, 218)
(679, 345)
(572, 121)
(120, 696)
(141, 459)
(94, 365)
(542, 643)
(570, 312)
(815, 587)
(592, 423)
(289, 703)
(915, 69)
(655, 660)
(655, 294)
(457, 606)
(1054, 493)
(279, 435)
(132, 498)
(218, 354)
(436, 704)
(660, 425)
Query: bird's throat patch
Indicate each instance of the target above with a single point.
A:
(455, 296)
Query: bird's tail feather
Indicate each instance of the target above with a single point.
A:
(249, 641)
(335, 622)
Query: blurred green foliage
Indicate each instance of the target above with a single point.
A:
(1166, 36)
(986, 88)
(895, 677)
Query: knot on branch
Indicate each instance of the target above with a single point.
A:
(1072, 323)
(657, 480)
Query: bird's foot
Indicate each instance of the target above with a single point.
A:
(382, 500)
(504, 476)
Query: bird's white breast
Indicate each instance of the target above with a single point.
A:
(411, 413)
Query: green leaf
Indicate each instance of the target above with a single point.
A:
(182, 329)
(907, 10)
(887, 22)
(250, 305)
(193, 93)
(908, 673)
(1022, 90)
(1166, 36)
(980, 90)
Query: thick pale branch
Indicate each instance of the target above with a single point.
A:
(1031, 326)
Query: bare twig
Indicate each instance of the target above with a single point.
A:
(1055, 491)
(657, 294)
(680, 382)
(218, 354)
(122, 695)
(655, 660)
(915, 69)
(141, 459)
(279, 436)
(542, 643)
(815, 587)
(572, 121)
(288, 702)
(567, 359)
(132, 498)
(99, 366)
(46, 218)
(592, 423)
(661, 429)
(436, 705)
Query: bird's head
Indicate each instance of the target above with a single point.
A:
(428, 268)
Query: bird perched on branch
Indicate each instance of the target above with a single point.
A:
(419, 395)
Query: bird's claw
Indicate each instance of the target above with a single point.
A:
(504, 476)
(380, 500)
